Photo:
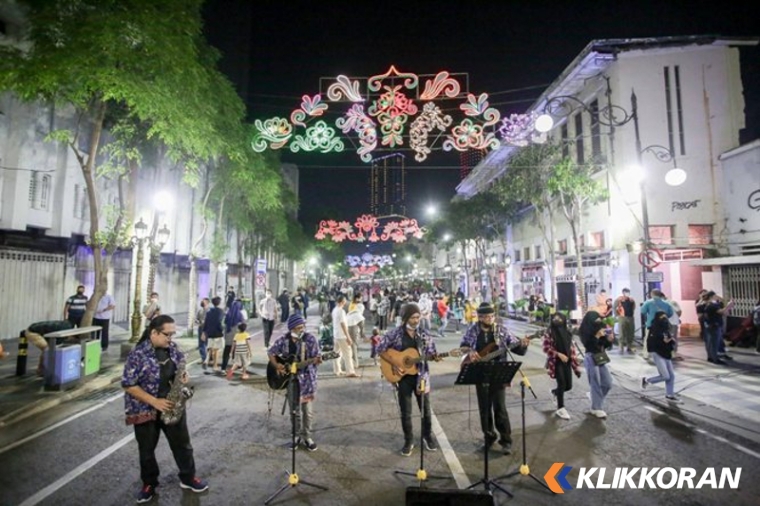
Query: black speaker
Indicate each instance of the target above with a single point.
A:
(416, 496)
(567, 300)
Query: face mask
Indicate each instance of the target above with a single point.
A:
(295, 335)
(410, 327)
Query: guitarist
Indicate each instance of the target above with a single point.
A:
(492, 407)
(302, 346)
(410, 335)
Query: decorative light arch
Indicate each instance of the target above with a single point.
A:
(367, 227)
(389, 110)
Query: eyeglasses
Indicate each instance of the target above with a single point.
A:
(170, 335)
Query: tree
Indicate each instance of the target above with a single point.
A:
(141, 62)
(575, 188)
(526, 184)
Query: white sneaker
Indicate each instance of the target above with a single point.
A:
(562, 413)
(598, 413)
(674, 399)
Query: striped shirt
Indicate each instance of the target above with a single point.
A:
(76, 304)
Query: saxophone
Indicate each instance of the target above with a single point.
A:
(178, 395)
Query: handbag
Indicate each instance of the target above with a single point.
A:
(600, 358)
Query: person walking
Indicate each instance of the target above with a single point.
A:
(149, 371)
(152, 309)
(624, 306)
(443, 313)
(241, 352)
(103, 315)
(410, 335)
(73, 310)
(382, 312)
(303, 345)
(596, 341)
(232, 319)
(491, 399)
(675, 323)
(354, 320)
(200, 319)
(342, 339)
(651, 307)
(561, 360)
(213, 331)
(284, 300)
(661, 344)
(268, 312)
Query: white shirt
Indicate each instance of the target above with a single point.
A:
(100, 311)
(268, 308)
(356, 316)
(675, 319)
(338, 317)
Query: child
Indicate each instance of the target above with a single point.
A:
(375, 340)
(241, 346)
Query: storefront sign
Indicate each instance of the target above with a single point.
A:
(652, 277)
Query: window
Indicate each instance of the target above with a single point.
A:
(564, 141)
(669, 108)
(81, 205)
(517, 255)
(579, 154)
(47, 180)
(562, 247)
(679, 111)
(33, 189)
(526, 253)
(661, 234)
(539, 253)
(700, 234)
(596, 240)
(596, 140)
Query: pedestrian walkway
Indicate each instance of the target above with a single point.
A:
(733, 388)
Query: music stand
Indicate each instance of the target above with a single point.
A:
(487, 373)
(293, 478)
(524, 469)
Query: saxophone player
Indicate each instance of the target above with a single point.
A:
(149, 371)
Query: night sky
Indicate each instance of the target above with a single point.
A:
(276, 51)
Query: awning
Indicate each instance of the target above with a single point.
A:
(735, 260)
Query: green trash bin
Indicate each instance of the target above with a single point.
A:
(91, 357)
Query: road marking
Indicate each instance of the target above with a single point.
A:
(720, 439)
(61, 423)
(448, 453)
(71, 475)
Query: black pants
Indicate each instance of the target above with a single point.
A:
(493, 412)
(76, 320)
(226, 356)
(268, 329)
(103, 324)
(284, 313)
(563, 373)
(406, 388)
(147, 435)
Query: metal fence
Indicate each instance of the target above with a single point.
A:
(742, 283)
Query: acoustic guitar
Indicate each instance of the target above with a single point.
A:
(492, 350)
(280, 381)
(410, 358)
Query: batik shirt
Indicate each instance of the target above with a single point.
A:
(307, 377)
(143, 370)
(501, 336)
(393, 339)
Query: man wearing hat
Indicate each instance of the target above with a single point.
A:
(410, 335)
(491, 404)
(302, 345)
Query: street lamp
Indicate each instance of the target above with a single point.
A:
(156, 241)
(138, 241)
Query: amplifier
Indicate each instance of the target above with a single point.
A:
(416, 496)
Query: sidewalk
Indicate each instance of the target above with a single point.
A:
(732, 390)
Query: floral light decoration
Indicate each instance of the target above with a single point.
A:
(363, 270)
(368, 228)
(390, 109)
(368, 260)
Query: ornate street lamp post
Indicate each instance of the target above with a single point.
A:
(156, 243)
(138, 241)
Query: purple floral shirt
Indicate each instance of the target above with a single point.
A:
(503, 337)
(393, 340)
(307, 377)
(142, 369)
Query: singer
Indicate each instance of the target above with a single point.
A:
(410, 335)
(484, 336)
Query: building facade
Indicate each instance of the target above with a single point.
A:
(688, 96)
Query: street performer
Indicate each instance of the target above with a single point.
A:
(149, 371)
(492, 407)
(303, 346)
(410, 335)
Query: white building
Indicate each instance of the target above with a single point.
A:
(690, 100)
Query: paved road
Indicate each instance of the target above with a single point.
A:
(238, 434)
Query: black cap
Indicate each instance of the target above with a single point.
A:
(485, 308)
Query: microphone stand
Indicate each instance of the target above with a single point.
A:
(421, 474)
(524, 468)
(293, 479)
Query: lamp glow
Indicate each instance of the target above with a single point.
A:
(675, 177)
(544, 123)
